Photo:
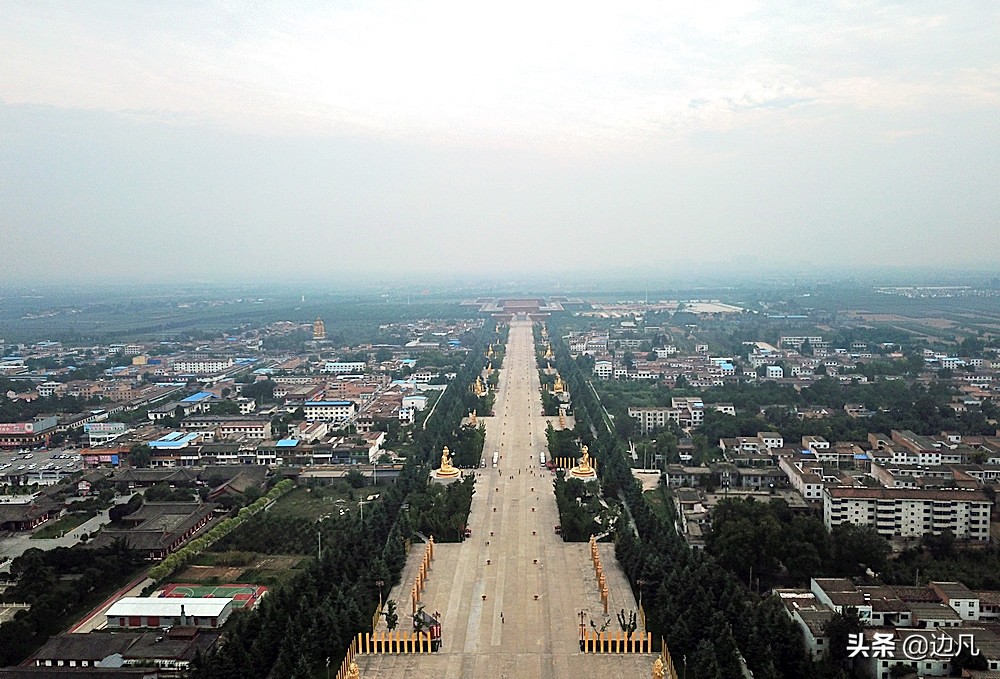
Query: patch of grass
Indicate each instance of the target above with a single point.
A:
(271, 577)
(63, 525)
(315, 503)
(224, 559)
(658, 502)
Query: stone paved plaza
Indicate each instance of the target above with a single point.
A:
(514, 511)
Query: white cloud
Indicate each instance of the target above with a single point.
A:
(522, 72)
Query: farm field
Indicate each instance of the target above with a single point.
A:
(221, 568)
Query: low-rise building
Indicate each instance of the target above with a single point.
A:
(165, 653)
(146, 612)
(159, 528)
(806, 479)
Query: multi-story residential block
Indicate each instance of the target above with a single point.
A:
(344, 367)
(229, 426)
(651, 418)
(330, 411)
(910, 512)
(202, 366)
(797, 342)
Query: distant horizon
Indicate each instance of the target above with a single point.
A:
(556, 282)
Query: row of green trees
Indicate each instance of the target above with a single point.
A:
(442, 511)
(467, 449)
(562, 442)
(578, 507)
(767, 544)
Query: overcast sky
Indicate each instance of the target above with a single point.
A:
(263, 140)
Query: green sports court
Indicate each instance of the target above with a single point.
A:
(243, 595)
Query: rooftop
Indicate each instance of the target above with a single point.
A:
(169, 607)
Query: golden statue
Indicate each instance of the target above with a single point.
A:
(319, 329)
(584, 470)
(354, 673)
(479, 389)
(658, 669)
(446, 471)
(558, 387)
(548, 351)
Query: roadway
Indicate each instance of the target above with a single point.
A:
(514, 564)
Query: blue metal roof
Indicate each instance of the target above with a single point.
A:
(175, 439)
(287, 443)
(200, 396)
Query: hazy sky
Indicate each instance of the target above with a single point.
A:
(262, 140)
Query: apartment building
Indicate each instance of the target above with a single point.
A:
(231, 426)
(910, 512)
(330, 411)
(344, 367)
(651, 418)
(202, 366)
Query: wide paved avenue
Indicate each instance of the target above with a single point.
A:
(512, 520)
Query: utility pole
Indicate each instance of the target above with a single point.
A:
(319, 545)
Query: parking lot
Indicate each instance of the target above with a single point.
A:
(38, 466)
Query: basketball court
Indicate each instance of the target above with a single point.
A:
(243, 595)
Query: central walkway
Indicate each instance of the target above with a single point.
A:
(513, 556)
